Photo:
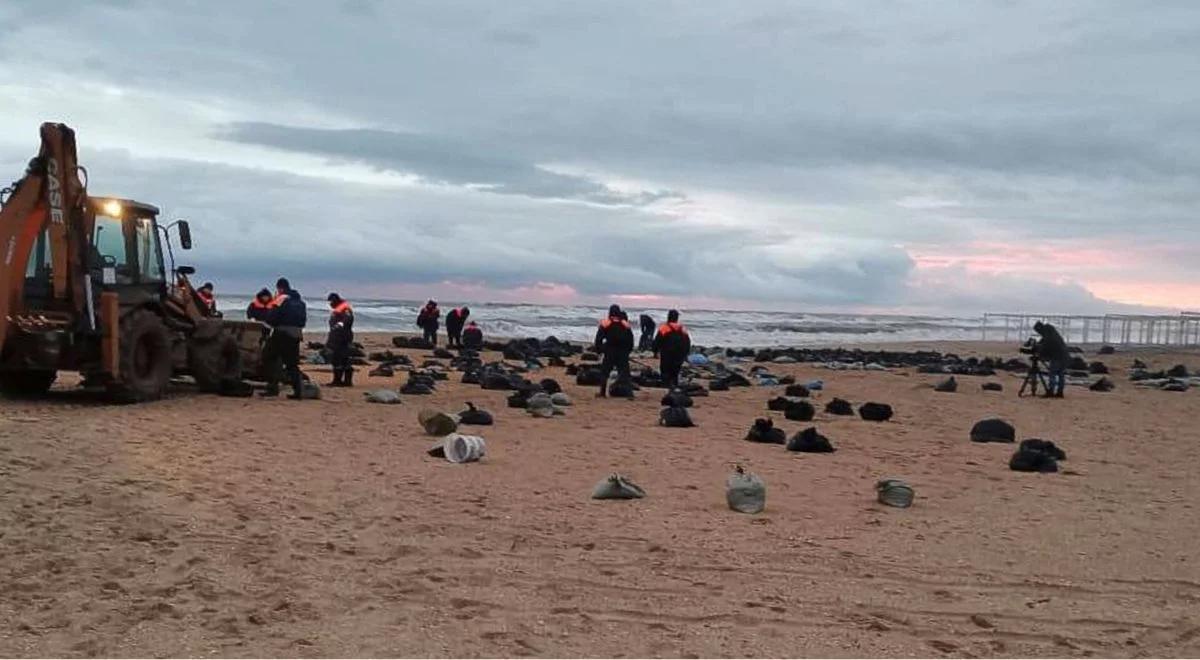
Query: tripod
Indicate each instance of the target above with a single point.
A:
(1033, 378)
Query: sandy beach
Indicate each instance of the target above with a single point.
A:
(208, 526)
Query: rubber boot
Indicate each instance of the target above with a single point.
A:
(337, 378)
(297, 387)
(603, 390)
(347, 377)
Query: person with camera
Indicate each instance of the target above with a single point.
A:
(1052, 349)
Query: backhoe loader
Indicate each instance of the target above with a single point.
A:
(84, 287)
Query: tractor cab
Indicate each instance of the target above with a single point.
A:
(124, 254)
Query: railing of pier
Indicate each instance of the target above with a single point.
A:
(1115, 329)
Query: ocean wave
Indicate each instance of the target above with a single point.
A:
(708, 327)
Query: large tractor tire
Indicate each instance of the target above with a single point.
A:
(214, 361)
(145, 360)
(26, 384)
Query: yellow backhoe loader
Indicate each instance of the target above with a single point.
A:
(84, 287)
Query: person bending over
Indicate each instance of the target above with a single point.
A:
(472, 337)
(1052, 350)
(455, 319)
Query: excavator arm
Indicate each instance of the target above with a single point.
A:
(49, 197)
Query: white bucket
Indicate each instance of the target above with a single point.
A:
(463, 448)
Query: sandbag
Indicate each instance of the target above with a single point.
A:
(676, 399)
(875, 412)
(780, 403)
(617, 487)
(839, 407)
(382, 371)
(810, 442)
(675, 418)
(800, 411)
(796, 390)
(1036, 455)
(948, 385)
(1102, 385)
(745, 492)
(763, 430)
(894, 492)
(993, 430)
(474, 417)
(621, 389)
(560, 399)
(382, 396)
(436, 422)
(589, 377)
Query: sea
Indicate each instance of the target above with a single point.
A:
(707, 327)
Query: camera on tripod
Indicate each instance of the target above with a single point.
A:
(1035, 377)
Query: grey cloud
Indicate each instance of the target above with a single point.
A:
(436, 159)
(250, 226)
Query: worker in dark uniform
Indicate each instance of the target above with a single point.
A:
(287, 320)
(647, 338)
(454, 325)
(262, 303)
(208, 299)
(340, 341)
(614, 340)
(672, 345)
(472, 337)
(1052, 349)
(427, 320)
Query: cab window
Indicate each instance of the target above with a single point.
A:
(109, 249)
(149, 257)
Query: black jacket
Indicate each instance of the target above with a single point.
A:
(254, 312)
(291, 312)
(428, 318)
(455, 321)
(614, 337)
(341, 325)
(1052, 347)
(472, 338)
(672, 342)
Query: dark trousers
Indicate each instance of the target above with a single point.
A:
(339, 354)
(646, 341)
(282, 354)
(670, 371)
(431, 334)
(618, 361)
(453, 337)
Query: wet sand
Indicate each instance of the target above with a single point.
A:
(201, 525)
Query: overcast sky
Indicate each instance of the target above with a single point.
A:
(892, 156)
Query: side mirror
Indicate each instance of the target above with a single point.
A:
(185, 235)
(186, 270)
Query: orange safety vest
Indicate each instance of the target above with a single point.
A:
(342, 308)
(667, 328)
